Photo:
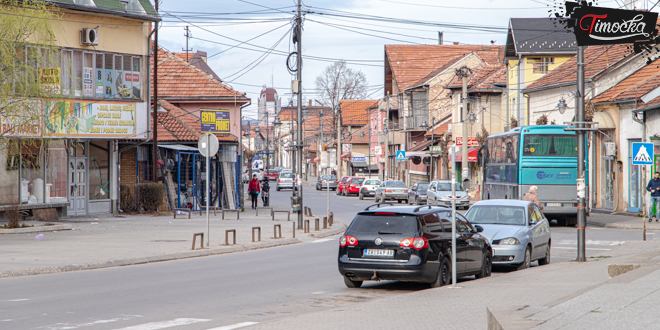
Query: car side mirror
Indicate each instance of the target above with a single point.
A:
(479, 228)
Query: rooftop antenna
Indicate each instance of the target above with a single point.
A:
(188, 35)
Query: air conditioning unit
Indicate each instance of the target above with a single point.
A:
(610, 149)
(89, 37)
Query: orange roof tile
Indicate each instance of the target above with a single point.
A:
(355, 112)
(633, 87)
(410, 63)
(181, 80)
(597, 59)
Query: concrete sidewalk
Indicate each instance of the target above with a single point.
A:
(620, 221)
(105, 241)
(567, 295)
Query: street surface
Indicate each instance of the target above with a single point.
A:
(228, 291)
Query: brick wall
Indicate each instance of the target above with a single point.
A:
(127, 172)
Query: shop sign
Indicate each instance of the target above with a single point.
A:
(472, 141)
(359, 159)
(215, 121)
(606, 26)
(21, 118)
(49, 80)
(88, 85)
(89, 119)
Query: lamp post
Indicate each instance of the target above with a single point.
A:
(426, 126)
(249, 162)
(276, 124)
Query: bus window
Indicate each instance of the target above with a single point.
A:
(550, 145)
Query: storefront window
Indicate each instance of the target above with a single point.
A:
(9, 173)
(32, 171)
(99, 174)
(56, 171)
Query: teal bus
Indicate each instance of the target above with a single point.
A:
(544, 156)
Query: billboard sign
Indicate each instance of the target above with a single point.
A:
(214, 121)
(607, 26)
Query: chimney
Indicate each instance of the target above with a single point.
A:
(202, 55)
(456, 43)
(440, 37)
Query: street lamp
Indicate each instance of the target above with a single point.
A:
(561, 106)
(276, 124)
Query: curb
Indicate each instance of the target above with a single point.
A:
(39, 229)
(144, 260)
(339, 230)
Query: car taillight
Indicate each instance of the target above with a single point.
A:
(388, 190)
(279, 180)
(347, 240)
(335, 181)
(322, 181)
(416, 243)
(405, 191)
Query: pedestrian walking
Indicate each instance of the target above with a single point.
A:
(253, 190)
(654, 188)
(531, 196)
(265, 192)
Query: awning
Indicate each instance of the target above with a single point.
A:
(604, 120)
(346, 156)
(472, 155)
(359, 164)
(179, 147)
(315, 160)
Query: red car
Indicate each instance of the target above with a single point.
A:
(341, 184)
(273, 174)
(353, 185)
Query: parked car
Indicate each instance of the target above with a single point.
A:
(417, 193)
(246, 176)
(287, 180)
(439, 192)
(410, 243)
(341, 184)
(353, 186)
(368, 187)
(273, 174)
(518, 231)
(321, 182)
(392, 189)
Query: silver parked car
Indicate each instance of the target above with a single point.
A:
(392, 189)
(517, 230)
(331, 182)
(439, 192)
(287, 180)
(368, 188)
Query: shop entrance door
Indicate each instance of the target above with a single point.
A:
(77, 185)
(607, 194)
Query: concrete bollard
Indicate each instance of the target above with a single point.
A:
(316, 224)
(233, 231)
(325, 222)
(332, 219)
(275, 229)
(306, 226)
(258, 229)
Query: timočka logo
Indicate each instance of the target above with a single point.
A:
(601, 26)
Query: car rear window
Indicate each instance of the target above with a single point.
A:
(396, 184)
(286, 175)
(423, 186)
(385, 224)
(496, 214)
(357, 181)
(372, 182)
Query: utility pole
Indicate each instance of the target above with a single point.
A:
(579, 117)
(299, 129)
(339, 142)
(188, 36)
(464, 115)
(154, 118)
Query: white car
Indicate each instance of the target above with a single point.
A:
(368, 187)
(439, 192)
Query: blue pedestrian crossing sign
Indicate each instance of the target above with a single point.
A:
(642, 153)
(401, 155)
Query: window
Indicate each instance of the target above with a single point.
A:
(433, 223)
(385, 224)
(99, 179)
(550, 145)
(540, 64)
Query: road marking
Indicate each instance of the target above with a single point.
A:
(323, 240)
(165, 324)
(591, 242)
(235, 326)
(573, 248)
(13, 300)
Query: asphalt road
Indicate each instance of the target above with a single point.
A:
(226, 290)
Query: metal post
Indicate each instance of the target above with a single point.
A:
(327, 170)
(267, 147)
(300, 100)
(579, 117)
(154, 118)
(431, 178)
(453, 216)
(208, 184)
(464, 115)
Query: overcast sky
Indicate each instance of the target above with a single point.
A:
(236, 35)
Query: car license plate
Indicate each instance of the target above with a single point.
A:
(553, 204)
(378, 253)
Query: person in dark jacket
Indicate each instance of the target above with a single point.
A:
(654, 188)
(265, 191)
(253, 190)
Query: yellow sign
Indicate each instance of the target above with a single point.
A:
(49, 76)
(215, 121)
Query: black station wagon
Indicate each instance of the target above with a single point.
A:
(408, 243)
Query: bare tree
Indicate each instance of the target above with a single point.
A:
(338, 82)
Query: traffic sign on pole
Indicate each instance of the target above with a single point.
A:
(400, 155)
(208, 146)
(642, 153)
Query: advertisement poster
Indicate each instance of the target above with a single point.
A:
(23, 118)
(89, 119)
(50, 80)
(108, 83)
(215, 121)
(123, 88)
(88, 85)
(99, 83)
(133, 79)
